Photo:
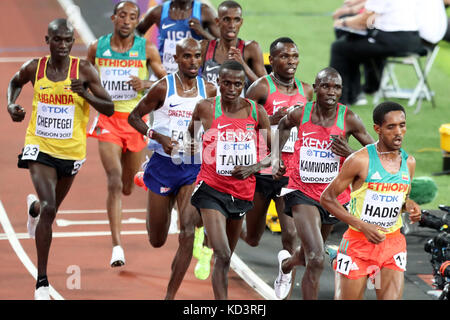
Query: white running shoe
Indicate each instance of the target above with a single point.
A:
(118, 257)
(42, 293)
(32, 222)
(283, 282)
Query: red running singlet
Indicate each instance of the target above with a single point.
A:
(228, 143)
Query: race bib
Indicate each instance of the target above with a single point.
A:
(400, 260)
(230, 154)
(318, 165)
(115, 81)
(343, 263)
(30, 152)
(381, 209)
(168, 60)
(54, 121)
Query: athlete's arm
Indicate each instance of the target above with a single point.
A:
(208, 28)
(263, 130)
(201, 116)
(152, 101)
(152, 16)
(258, 91)
(153, 61)
(308, 91)
(354, 167)
(410, 205)
(354, 127)
(92, 51)
(26, 73)
(254, 60)
(97, 97)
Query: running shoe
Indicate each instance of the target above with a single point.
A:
(32, 221)
(118, 257)
(139, 180)
(203, 266)
(198, 242)
(331, 250)
(283, 282)
(42, 293)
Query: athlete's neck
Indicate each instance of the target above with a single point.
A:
(122, 44)
(181, 5)
(285, 82)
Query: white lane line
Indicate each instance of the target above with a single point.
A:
(15, 59)
(98, 211)
(21, 236)
(252, 279)
(20, 252)
(66, 222)
(73, 13)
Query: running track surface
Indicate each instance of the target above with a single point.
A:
(147, 271)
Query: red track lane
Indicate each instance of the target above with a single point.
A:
(147, 271)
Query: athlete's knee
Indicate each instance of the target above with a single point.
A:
(47, 212)
(127, 189)
(157, 242)
(252, 241)
(316, 260)
(222, 257)
(114, 183)
(186, 237)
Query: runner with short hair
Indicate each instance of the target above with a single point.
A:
(55, 141)
(122, 60)
(324, 127)
(380, 176)
(171, 172)
(277, 92)
(225, 184)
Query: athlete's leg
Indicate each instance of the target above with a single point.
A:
(223, 235)
(308, 225)
(159, 209)
(349, 289)
(189, 218)
(255, 220)
(287, 224)
(392, 283)
(110, 155)
(51, 192)
(131, 163)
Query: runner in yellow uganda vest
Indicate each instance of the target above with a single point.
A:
(59, 118)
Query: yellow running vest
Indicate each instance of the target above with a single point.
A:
(59, 118)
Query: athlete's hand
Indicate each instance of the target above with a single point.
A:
(414, 210)
(191, 146)
(235, 54)
(276, 117)
(16, 112)
(278, 170)
(340, 146)
(372, 232)
(167, 143)
(136, 83)
(242, 172)
(79, 87)
(195, 25)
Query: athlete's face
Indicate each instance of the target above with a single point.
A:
(393, 129)
(231, 84)
(189, 60)
(126, 19)
(229, 22)
(328, 89)
(60, 42)
(284, 59)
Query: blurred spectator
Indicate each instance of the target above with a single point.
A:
(392, 29)
(349, 8)
(447, 33)
(432, 20)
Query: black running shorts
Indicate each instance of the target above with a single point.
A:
(206, 197)
(64, 168)
(297, 197)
